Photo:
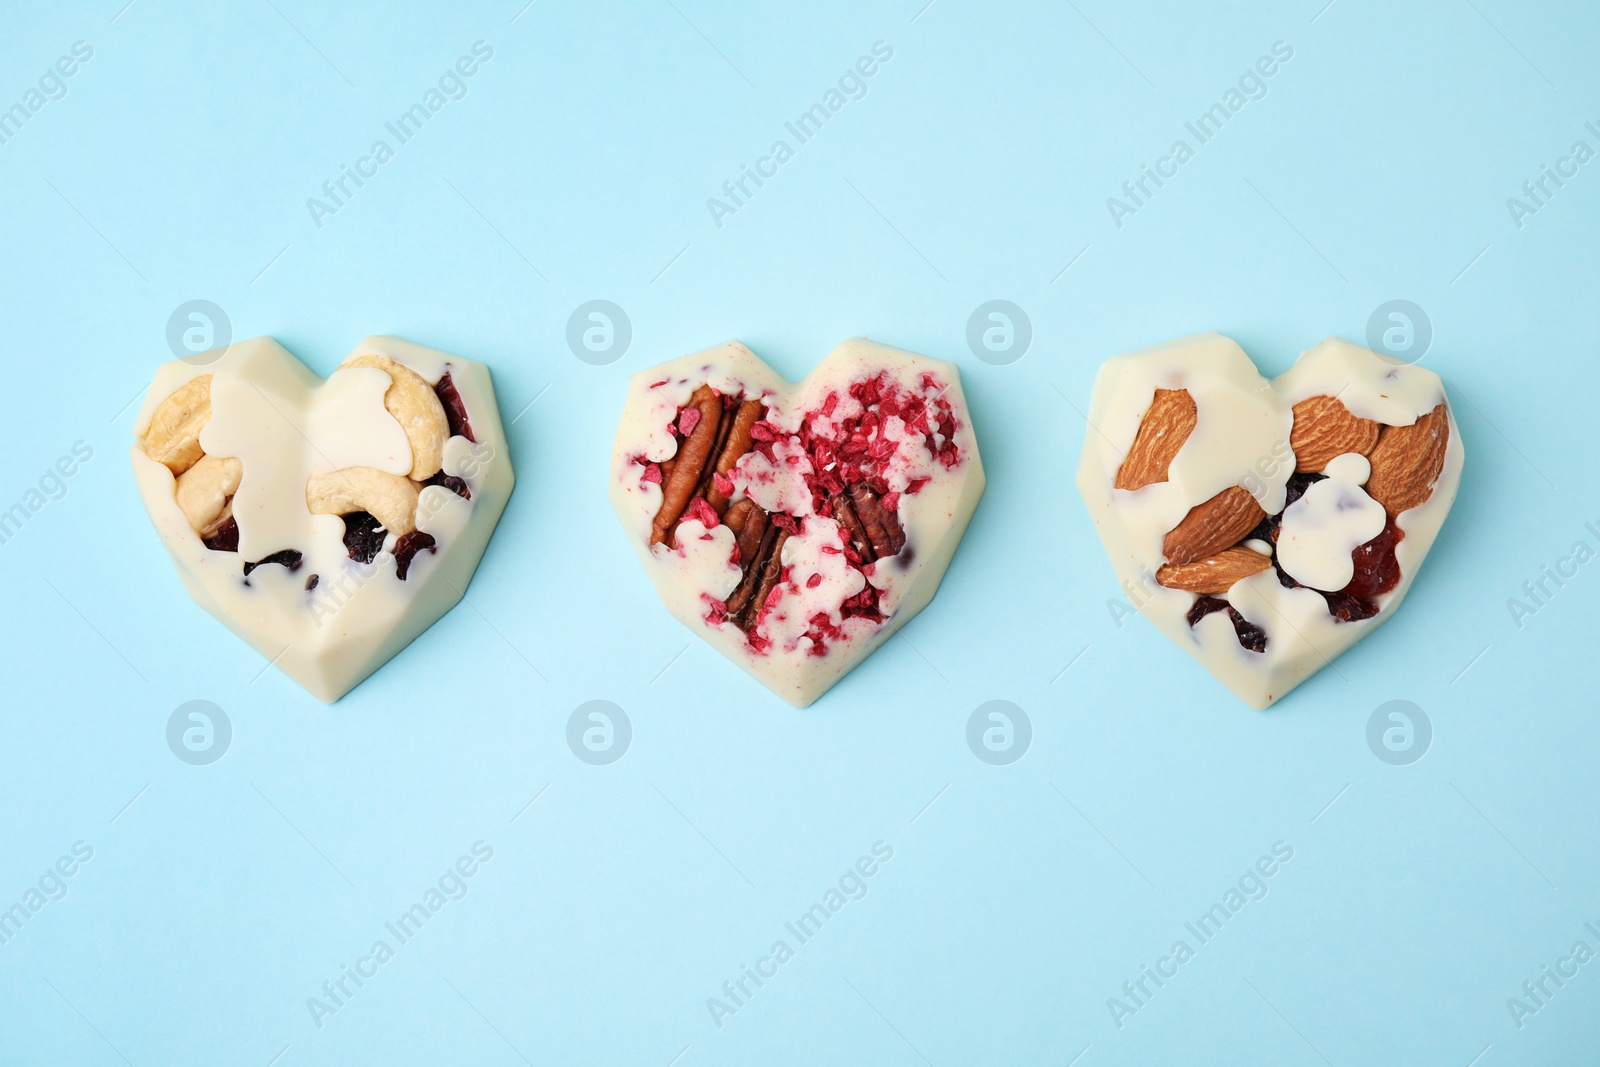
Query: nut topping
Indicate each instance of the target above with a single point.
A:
(417, 408)
(205, 492)
(1210, 527)
(1407, 461)
(390, 498)
(689, 463)
(1325, 428)
(1165, 427)
(1215, 574)
(174, 434)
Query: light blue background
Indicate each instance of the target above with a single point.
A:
(978, 165)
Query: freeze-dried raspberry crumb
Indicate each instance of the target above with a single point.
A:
(813, 581)
(722, 483)
(652, 474)
(716, 610)
(785, 522)
(702, 513)
(765, 431)
(688, 419)
(658, 385)
(916, 486)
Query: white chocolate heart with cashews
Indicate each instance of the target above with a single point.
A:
(1267, 526)
(329, 522)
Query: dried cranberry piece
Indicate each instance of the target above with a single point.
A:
(1298, 484)
(284, 557)
(455, 410)
(363, 536)
(1205, 606)
(1376, 569)
(406, 548)
(1252, 637)
(226, 539)
(458, 486)
(1347, 608)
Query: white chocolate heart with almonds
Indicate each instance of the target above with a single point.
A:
(1267, 526)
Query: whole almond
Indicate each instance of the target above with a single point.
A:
(1214, 575)
(1407, 461)
(1167, 424)
(1325, 428)
(1208, 528)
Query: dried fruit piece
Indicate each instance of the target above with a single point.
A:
(204, 490)
(458, 486)
(406, 548)
(1215, 574)
(1212, 526)
(1251, 637)
(1407, 461)
(364, 536)
(1167, 424)
(455, 409)
(285, 557)
(392, 498)
(1325, 428)
(418, 410)
(225, 538)
(173, 437)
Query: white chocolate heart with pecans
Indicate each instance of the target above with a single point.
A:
(796, 526)
(1267, 526)
(327, 523)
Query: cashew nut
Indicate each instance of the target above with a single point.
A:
(205, 489)
(174, 434)
(416, 407)
(389, 498)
